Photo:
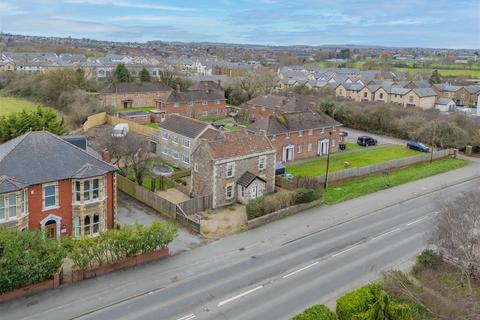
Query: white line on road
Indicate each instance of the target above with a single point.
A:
(299, 270)
(189, 317)
(385, 233)
(346, 250)
(417, 221)
(239, 296)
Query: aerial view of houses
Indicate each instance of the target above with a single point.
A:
(216, 160)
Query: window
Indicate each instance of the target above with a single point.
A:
(175, 154)
(176, 105)
(195, 167)
(334, 128)
(309, 147)
(165, 135)
(230, 169)
(410, 99)
(165, 149)
(263, 109)
(274, 137)
(87, 226)
(300, 133)
(86, 190)
(77, 191)
(49, 196)
(287, 135)
(333, 142)
(365, 94)
(205, 113)
(24, 202)
(190, 103)
(299, 148)
(381, 95)
(186, 158)
(217, 102)
(310, 132)
(446, 94)
(175, 139)
(76, 227)
(95, 193)
(2, 208)
(12, 205)
(229, 191)
(261, 163)
(323, 130)
(96, 224)
(242, 190)
(340, 91)
(186, 143)
(204, 102)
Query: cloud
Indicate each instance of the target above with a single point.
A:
(130, 4)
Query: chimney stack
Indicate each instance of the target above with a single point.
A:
(106, 155)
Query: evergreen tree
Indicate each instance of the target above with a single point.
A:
(435, 77)
(121, 74)
(144, 75)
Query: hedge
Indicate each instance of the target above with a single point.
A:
(356, 302)
(27, 258)
(305, 195)
(318, 312)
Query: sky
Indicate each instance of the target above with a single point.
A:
(393, 23)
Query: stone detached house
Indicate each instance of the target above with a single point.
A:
(134, 94)
(49, 184)
(196, 104)
(233, 167)
(178, 136)
(299, 134)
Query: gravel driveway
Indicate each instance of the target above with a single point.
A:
(353, 135)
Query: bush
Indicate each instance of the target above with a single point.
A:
(115, 245)
(428, 259)
(318, 312)
(27, 258)
(356, 302)
(306, 195)
(271, 203)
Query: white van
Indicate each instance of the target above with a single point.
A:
(120, 130)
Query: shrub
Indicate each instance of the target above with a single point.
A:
(27, 258)
(267, 204)
(318, 312)
(356, 302)
(306, 195)
(428, 259)
(118, 244)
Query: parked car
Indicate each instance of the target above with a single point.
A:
(415, 145)
(366, 141)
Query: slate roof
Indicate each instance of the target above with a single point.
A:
(194, 95)
(132, 87)
(425, 92)
(472, 89)
(447, 87)
(247, 178)
(268, 101)
(206, 85)
(184, 126)
(8, 184)
(39, 157)
(238, 144)
(444, 101)
(210, 134)
(299, 103)
(292, 122)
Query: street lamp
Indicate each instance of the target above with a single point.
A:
(325, 185)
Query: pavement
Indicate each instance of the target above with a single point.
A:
(271, 272)
(131, 211)
(353, 135)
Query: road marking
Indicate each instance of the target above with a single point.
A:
(418, 220)
(189, 317)
(239, 296)
(346, 250)
(385, 233)
(299, 270)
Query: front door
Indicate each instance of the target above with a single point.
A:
(288, 153)
(50, 229)
(322, 147)
(253, 192)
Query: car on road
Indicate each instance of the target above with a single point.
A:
(366, 141)
(415, 145)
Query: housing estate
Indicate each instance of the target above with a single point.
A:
(50, 184)
(235, 166)
(298, 135)
(178, 136)
(134, 94)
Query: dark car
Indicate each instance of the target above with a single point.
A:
(415, 145)
(366, 141)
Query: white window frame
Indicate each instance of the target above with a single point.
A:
(186, 143)
(176, 105)
(24, 201)
(274, 136)
(204, 102)
(44, 186)
(299, 148)
(165, 150)
(2, 207)
(262, 163)
(230, 167)
(310, 132)
(12, 205)
(309, 147)
(300, 133)
(227, 187)
(175, 154)
(190, 103)
(217, 102)
(165, 135)
(287, 135)
(186, 156)
(175, 139)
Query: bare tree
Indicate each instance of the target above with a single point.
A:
(456, 234)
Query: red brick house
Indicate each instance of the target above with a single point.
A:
(133, 94)
(264, 106)
(50, 184)
(299, 135)
(198, 104)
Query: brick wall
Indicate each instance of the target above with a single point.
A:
(139, 99)
(258, 112)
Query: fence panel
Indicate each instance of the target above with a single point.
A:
(195, 205)
(133, 126)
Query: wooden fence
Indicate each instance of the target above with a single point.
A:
(181, 212)
(102, 118)
(364, 171)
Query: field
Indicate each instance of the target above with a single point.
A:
(444, 72)
(356, 188)
(9, 105)
(357, 159)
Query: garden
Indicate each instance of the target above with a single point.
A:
(9, 105)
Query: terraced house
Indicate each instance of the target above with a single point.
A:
(50, 184)
(133, 94)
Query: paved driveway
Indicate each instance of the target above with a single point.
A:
(131, 211)
(353, 135)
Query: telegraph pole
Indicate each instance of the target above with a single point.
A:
(433, 141)
(325, 185)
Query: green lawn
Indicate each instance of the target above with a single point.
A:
(136, 109)
(357, 159)
(153, 125)
(228, 123)
(443, 72)
(356, 188)
(351, 147)
(10, 105)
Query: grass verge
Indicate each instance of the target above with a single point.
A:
(357, 159)
(356, 188)
(136, 109)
